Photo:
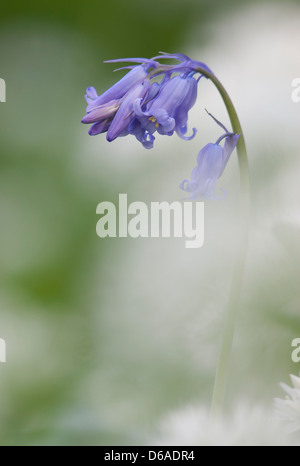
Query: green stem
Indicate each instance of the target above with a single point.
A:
(239, 264)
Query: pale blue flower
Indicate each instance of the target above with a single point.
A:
(211, 162)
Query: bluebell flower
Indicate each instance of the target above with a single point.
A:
(107, 112)
(114, 116)
(136, 105)
(211, 162)
(135, 76)
(168, 111)
(164, 109)
(124, 115)
(154, 97)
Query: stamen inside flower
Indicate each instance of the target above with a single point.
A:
(154, 120)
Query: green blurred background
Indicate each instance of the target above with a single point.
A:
(105, 337)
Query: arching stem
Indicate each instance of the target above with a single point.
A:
(240, 255)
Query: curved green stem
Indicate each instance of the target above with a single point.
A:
(239, 264)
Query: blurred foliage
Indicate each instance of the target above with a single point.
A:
(138, 28)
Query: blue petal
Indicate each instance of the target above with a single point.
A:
(181, 114)
(125, 112)
(143, 117)
(229, 146)
(211, 161)
(181, 133)
(165, 121)
(148, 61)
(210, 164)
(168, 109)
(171, 95)
(103, 112)
(141, 134)
(99, 127)
(152, 92)
(92, 93)
(118, 90)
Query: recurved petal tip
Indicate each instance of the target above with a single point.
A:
(91, 93)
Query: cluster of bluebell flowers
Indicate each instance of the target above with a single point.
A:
(154, 97)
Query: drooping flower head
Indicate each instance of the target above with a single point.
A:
(211, 162)
(140, 105)
(154, 97)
